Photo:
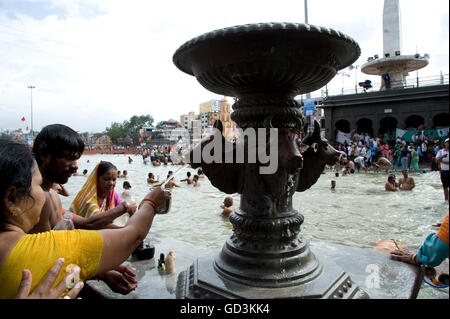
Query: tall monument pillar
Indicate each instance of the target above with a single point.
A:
(393, 67)
(392, 29)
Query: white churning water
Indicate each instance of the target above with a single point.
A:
(358, 214)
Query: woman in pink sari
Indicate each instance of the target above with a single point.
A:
(386, 152)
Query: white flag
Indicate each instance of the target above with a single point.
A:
(443, 131)
(399, 132)
(342, 137)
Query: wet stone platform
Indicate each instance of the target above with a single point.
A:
(373, 271)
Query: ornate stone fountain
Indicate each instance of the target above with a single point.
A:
(265, 66)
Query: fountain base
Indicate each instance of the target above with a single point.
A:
(202, 281)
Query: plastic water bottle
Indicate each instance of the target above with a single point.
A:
(161, 264)
(65, 223)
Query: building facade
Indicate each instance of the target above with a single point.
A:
(225, 117)
(384, 111)
(209, 112)
(186, 120)
(100, 140)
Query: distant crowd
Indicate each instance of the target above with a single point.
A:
(163, 154)
(113, 149)
(365, 151)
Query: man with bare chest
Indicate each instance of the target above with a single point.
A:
(48, 214)
(406, 183)
(56, 150)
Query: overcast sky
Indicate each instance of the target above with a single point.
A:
(94, 62)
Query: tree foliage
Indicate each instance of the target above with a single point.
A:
(129, 128)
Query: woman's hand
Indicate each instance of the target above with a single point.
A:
(405, 256)
(131, 208)
(121, 279)
(45, 290)
(158, 195)
(124, 206)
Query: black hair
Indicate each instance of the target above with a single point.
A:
(196, 176)
(103, 167)
(150, 175)
(188, 174)
(127, 184)
(55, 139)
(16, 168)
(391, 176)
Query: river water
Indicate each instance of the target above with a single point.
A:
(358, 214)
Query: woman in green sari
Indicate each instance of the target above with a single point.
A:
(414, 159)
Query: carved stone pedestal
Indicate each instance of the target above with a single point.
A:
(261, 264)
(205, 279)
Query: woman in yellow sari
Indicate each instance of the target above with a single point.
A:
(21, 202)
(98, 194)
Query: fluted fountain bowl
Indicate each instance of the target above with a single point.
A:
(266, 58)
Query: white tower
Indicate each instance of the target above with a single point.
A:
(392, 27)
(393, 67)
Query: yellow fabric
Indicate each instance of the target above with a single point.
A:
(85, 204)
(443, 230)
(38, 253)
